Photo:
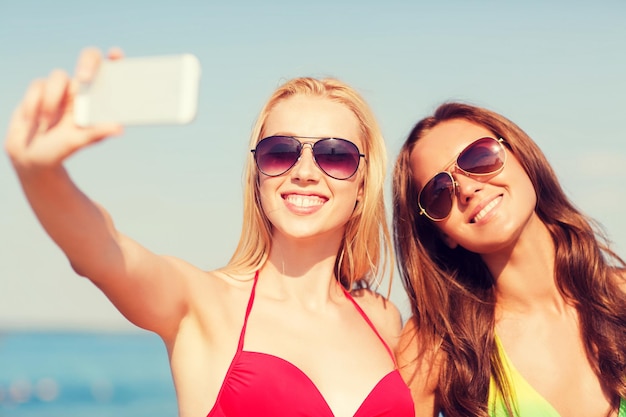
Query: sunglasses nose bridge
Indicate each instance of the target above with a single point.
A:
(311, 151)
(304, 144)
(305, 166)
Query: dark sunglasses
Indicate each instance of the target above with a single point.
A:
(337, 158)
(485, 156)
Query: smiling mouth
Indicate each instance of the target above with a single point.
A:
(481, 214)
(304, 200)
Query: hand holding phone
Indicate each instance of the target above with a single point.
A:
(139, 91)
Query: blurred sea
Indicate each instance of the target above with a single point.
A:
(71, 374)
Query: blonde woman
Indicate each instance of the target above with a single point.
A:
(289, 326)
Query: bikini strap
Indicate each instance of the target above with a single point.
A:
(248, 309)
(369, 322)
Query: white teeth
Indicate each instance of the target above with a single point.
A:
(304, 201)
(486, 210)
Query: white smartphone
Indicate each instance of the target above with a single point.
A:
(139, 91)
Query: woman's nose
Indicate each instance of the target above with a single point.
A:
(467, 186)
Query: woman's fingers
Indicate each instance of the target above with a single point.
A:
(57, 144)
(54, 99)
(74, 139)
(30, 107)
(93, 134)
(115, 53)
(88, 64)
(42, 131)
(25, 119)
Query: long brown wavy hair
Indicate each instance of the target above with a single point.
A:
(452, 291)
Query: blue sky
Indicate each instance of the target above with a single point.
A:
(556, 68)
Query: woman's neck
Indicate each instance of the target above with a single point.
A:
(524, 273)
(302, 270)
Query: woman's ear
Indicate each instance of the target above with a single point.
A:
(359, 194)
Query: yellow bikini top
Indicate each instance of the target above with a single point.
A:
(527, 402)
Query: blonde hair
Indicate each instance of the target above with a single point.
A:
(365, 252)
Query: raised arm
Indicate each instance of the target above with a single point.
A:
(41, 135)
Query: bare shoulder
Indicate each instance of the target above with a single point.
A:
(419, 366)
(204, 292)
(382, 312)
(193, 278)
(217, 277)
(182, 267)
(407, 350)
(216, 283)
(216, 299)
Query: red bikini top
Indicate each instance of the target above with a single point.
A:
(263, 385)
